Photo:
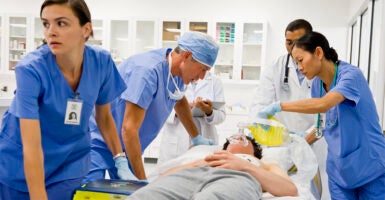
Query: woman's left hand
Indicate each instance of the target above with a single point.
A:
(205, 105)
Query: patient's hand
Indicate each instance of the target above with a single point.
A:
(227, 160)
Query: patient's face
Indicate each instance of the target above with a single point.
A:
(240, 148)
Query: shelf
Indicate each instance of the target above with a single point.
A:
(17, 36)
(5, 101)
(252, 44)
(17, 50)
(169, 41)
(226, 43)
(122, 39)
(97, 28)
(250, 65)
(18, 25)
(224, 64)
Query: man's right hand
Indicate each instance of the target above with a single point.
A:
(199, 140)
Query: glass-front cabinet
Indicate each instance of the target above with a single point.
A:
(98, 28)
(17, 40)
(145, 37)
(1, 42)
(225, 36)
(198, 26)
(252, 50)
(242, 43)
(119, 40)
(171, 31)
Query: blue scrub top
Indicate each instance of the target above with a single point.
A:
(42, 93)
(146, 76)
(356, 144)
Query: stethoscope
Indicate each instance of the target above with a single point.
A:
(318, 132)
(285, 85)
(286, 77)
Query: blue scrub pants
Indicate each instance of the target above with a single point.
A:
(372, 190)
(101, 174)
(63, 190)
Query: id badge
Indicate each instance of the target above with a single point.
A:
(73, 112)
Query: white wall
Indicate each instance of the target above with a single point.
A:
(327, 16)
(330, 20)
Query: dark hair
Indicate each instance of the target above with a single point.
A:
(299, 24)
(72, 115)
(79, 7)
(256, 146)
(310, 41)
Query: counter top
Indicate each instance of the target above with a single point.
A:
(5, 101)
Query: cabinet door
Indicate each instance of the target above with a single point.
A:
(145, 36)
(198, 26)
(252, 51)
(225, 36)
(98, 29)
(171, 31)
(1, 42)
(119, 40)
(17, 39)
(38, 33)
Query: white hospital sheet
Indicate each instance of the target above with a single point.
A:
(296, 151)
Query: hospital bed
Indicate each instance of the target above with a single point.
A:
(294, 154)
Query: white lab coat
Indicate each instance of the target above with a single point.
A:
(175, 139)
(271, 88)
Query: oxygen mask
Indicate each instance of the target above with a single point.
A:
(268, 132)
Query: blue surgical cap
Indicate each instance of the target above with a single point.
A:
(202, 46)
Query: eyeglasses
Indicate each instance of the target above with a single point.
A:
(238, 139)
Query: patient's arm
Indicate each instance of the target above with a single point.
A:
(199, 162)
(272, 178)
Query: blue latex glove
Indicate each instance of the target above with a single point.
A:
(199, 140)
(124, 173)
(270, 110)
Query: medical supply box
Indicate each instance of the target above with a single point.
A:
(107, 189)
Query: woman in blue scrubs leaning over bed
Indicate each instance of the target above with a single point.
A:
(356, 158)
(45, 154)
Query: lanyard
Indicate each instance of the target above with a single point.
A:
(318, 133)
(286, 78)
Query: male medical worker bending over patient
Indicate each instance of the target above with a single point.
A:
(155, 85)
(234, 173)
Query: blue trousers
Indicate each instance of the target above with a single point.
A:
(372, 190)
(100, 174)
(63, 190)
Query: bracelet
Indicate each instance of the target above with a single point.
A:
(122, 154)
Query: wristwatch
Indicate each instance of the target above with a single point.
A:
(121, 154)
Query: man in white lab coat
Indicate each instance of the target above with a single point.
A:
(283, 82)
(201, 94)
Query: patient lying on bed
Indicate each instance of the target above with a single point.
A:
(236, 172)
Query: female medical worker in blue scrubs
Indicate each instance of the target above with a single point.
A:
(155, 85)
(356, 145)
(44, 154)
